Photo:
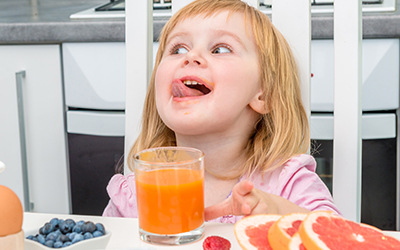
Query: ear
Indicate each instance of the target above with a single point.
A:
(258, 103)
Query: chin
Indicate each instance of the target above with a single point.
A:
(187, 128)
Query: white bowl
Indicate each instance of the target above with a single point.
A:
(93, 243)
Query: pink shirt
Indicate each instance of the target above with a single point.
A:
(295, 181)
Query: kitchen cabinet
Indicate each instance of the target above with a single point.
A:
(43, 126)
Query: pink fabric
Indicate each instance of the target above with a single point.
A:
(295, 181)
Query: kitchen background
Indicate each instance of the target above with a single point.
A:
(62, 129)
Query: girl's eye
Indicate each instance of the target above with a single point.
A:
(220, 50)
(179, 50)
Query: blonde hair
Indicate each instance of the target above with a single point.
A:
(282, 132)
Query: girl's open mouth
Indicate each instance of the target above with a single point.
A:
(189, 88)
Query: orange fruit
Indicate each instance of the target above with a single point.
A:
(251, 231)
(281, 232)
(11, 213)
(325, 230)
(295, 243)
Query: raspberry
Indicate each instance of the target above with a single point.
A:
(216, 243)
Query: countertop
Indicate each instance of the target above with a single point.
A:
(125, 235)
(48, 21)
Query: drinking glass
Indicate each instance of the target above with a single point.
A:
(170, 194)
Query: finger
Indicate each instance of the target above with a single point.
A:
(218, 210)
(246, 209)
(243, 188)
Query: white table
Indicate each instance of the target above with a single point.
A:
(125, 232)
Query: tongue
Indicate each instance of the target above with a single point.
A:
(180, 90)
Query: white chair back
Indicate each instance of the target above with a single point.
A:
(293, 19)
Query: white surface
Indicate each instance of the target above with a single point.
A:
(293, 20)
(139, 34)
(125, 232)
(374, 126)
(380, 74)
(101, 123)
(347, 105)
(44, 123)
(94, 75)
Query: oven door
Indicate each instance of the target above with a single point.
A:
(96, 148)
(379, 168)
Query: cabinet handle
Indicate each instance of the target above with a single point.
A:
(19, 76)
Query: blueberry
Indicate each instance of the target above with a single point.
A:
(97, 234)
(58, 244)
(55, 221)
(88, 227)
(72, 236)
(40, 238)
(77, 228)
(58, 232)
(87, 235)
(49, 243)
(30, 237)
(81, 222)
(77, 238)
(47, 228)
(51, 236)
(71, 222)
(64, 238)
(100, 228)
(67, 226)
(66, 244)
(60, 221)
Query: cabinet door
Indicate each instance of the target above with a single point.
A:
(45, 135)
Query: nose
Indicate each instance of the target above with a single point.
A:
(194, 58)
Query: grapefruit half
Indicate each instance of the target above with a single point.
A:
(325, 230)
(251, 231)
(281, 232)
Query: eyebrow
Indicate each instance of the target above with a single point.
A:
(231, 34)
(217, 33)
(177, 34)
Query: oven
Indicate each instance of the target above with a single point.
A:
(380, 102)
(94, 82)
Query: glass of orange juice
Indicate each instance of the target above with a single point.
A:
(170, 194)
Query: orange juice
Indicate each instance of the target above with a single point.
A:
(170, 201)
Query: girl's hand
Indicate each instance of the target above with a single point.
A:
(247, 200)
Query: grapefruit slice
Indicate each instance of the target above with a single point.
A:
(325, 230)
(251, 231)
(281, 232)
(295, 243)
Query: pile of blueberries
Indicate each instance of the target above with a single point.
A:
(60, 233)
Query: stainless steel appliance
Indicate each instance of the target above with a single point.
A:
(95, 100)
(162, 8)
(380, 102)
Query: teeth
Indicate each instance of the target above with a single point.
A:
(187, 82)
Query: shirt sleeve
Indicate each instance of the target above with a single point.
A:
(122, 192)
(298, 183)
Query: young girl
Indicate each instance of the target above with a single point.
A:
(225, 82)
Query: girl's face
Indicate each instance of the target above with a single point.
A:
(208, 79)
